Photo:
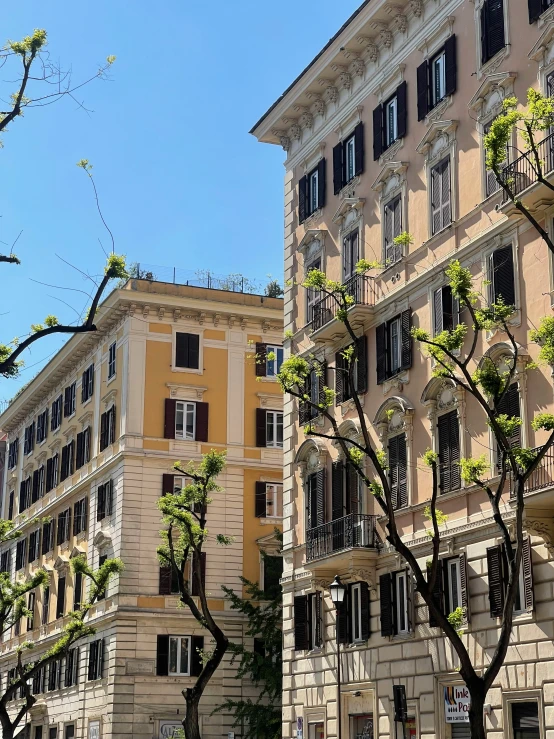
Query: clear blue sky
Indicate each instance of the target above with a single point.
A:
(181, 181)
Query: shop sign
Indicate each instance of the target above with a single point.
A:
(94, 730)
(169, 729)
(456, 704)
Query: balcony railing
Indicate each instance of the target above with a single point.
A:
(522, 172)
(541, 478)
(360, 287)
(355, 530)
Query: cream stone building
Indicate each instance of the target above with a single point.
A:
(383, 133)
(169, 375)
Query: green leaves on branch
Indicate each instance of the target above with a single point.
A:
(430, 458)
(460, 281)
(472, 470)
(456, 619)
(440, 517)
(490, 379)
(544, 421)
(544, 336)
(509, 425)
(115, 267)
(49, 322)
(447, 341)
(29, 44)
(494, 316)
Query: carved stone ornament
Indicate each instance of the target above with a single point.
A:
(371, 50)
(446, 398)
(306, 119)
(543, 528)
(400, 22)
(102, 540)
(295, 132)
(331, 94)
(61, 564)
(344, 81)
(318, 106)
(284, 140)
(270, 400)
(357, 67)
(416, 7)
(185, 392)
(161, 311)
(385, 37)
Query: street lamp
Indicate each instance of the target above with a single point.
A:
(338, 591)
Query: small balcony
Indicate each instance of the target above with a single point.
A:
(360, 287)
(522, 174)
(540, 484)
(355, 531)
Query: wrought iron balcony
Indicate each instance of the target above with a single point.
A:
(522, 172)
(353, 531)
(542, 478)
(360, 287)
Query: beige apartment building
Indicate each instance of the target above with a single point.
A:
(383, 133)
(168, 375)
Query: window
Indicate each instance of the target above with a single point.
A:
(498, 570)
(502, 277)
(38, 729)
(45, 605)
(87, 384)
(392, 213)
(274, 360)
(187, 350)
(10, 505)
(395, 592)
(315, 382)
(345, 498)
(72, 667)
(104, 500)
(394, 346)
(269, 500)
(448, 428)
(445, 310)
(107, 428)
(13, 453)
(398, 471)
(311, 191)
(54, 674)
(272, 572)
(5, 561)
(69, 400)
(343, 381)
(52, 472)
(80, 516)
(34, 545)
(492, 29)
(56, 414)
(491, 183)
(20, 554)
(441, 211)
(179, 655)
(509, 405)
(362, 726)
(274, 429)
(69, 732)
(356, 615)
(111, 360)
(24, 494)
(42, 426)
(537, 8)
(353, 614)
(68, 461)
(96, 659)
(168, 581)
(53, 733)
(29, 439)
(38, 688)
(348, 159)
(315, 500)
(351, 254)
(525, 720)
(38, 484)
(185, 420)
(60, 598)
(390, 121)
(312, 296)
(77, 590)
(83, 448)
(308, 621)
(48, 537)
(31, 606)
(63, 526)
(436, 78)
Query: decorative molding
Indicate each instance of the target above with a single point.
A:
(270, 400)
(312, 237)
(102, 540)
(438, 139)
(109, 398)
(416, 8)
(391, 176)
(491, 92)
(348, 205)
(185, 392)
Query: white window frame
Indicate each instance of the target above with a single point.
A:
(271, 369)
(350, 158)
(188, 330)
(401, 587)
(489, 66)
(441, 59)
(274, 500)
(112, 360)
(520, 595)
(184, 482)
(275, 416)
(386, 247)
(397, 342)
(189, 656)
(312, 296)
(356, 612)
(522, 696)
(185, 407)
(391, 124)
(313, 621)
(313, 189)
(349, 236)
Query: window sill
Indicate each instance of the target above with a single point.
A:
(347, 190)
(388, 153)
(86, 402)
(316, 215)
(111, 379)
(492, 64)
(264, 520)
(187, 370)
(436, 112)
(391, 266)
(271, 378)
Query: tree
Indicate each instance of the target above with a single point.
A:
(13, 607)
(185, 514)
(454, 356)
(273, 289)
(261, 718)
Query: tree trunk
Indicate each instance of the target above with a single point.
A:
(476, 712)
(191, 723)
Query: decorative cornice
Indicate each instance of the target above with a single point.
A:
(346, 206)
(179, 391)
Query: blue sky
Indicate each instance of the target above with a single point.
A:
(181, 181)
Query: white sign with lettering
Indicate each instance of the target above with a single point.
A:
(94, 730)
(169, 729)
(456, 704)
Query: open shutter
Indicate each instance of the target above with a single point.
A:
(445, 182)
(361, 367)
(359, 148)
(503, 275)
(535, 10)
(343, 620)
(197, 646)
(322, 383)
(464, 600)
(443, 427)
(311, 502)
(377, 132)
(165, 580)
(393, 470)
(168, 484)
(496, 580)
(484, 36)
(365, 613)
(402, 472)
(261, 500)
(337, 491)
(385, 596)
(406, 325)
(162, 656)
(340, 378)
(320, 497)
(389, 233)
(261, 433)
(450, 65)
(338, 178)
(321, 183)
(302, 186)
(261, 360)
(438, 324)
(353, 502)
(438, 592)
(381, 352)
(169, 421)
(436, 194)
(454, 434)
(527, 575)
(104, 429)
(301, 636)
(202, 421)
(318, 636)
(402, 109)
(422, 91)
(410, 609)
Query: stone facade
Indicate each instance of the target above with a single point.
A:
(136, 371)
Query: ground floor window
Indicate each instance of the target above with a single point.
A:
(411, 729)
(316, 730)
(525, 720)
(461, 731)
(362, 726)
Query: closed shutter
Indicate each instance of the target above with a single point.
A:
(446, 215)
(318, 604)
(402, 109)
(527, 575)
(438, 323)
(320, 497)
(438, 592)
(509, 405)
(393, 470)
(80, 450)
(503, 275)
(464, 599)
(536, 9)
(322, 383)
(496, 581)
(337, 491)
(340, 378)
(377, 132)
(202, 421)
(381, 352)
(311, 502)
(168, 484)
(352, 490)
(301, 635)
(406, 325)
(449, 451)
(454, 450)
(422, 91)
(261, 360)
(196, 665)
(338, 168)
(361, 365)
(385, 596)
(165, 580)
(389, 225)
(169, 420)
(492, 29)
(261, 500)
(436, 192)
(162, 656)
(359, 149)
(302, 210)
(261, 433)
(343, 620)
(77, 590)
(402, 472)
(410, 610)
(450, 65)
(321, 183)
(365, 612)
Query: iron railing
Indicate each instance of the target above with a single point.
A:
(542, 477)
(354, 530)
(360, 287)
(523, 171)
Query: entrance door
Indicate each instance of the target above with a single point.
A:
(362, 726)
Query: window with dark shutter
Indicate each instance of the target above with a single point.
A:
(261, 433)
(441, 212)
(60, 598)
(445, 311)
(449, 451)
(337, 492)
(398, 471)
(502, 276)
(537, 8)
(365, 623)
(402, 109)
(509, 405)
(359, 154)
(341, 378)
(322, 183)
(344, 620)
(301, 626)
(202, 414)
(302, 199)
(438, 592)
(272, 573)
(392, 214)
(492, 29)
(385, 596)
(261, 359)
(260, 500)
(187, 350)
(377, 132)
(77, 590)
(495, 568)
(422, 90)
(169, 420)
(451, 76)
(338, 174)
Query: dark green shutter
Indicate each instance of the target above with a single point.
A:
(526, 565)
(536, 9)
(261, 433)
(338, 168)
(495, 565)
(340, 378)
(359, 149)
(406, 326)
(402, 109)
(320, 495)
(301, 635)
(162, 655)
(385, 596)
(503, 275)
(422, 91)
(438, 591)
(365, 611)
(337, 490)
(377, 132)
(321, 183)
(450, 65)
(381, 352)
(361, 364)
(302, 187)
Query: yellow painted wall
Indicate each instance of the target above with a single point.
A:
(253, 529)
